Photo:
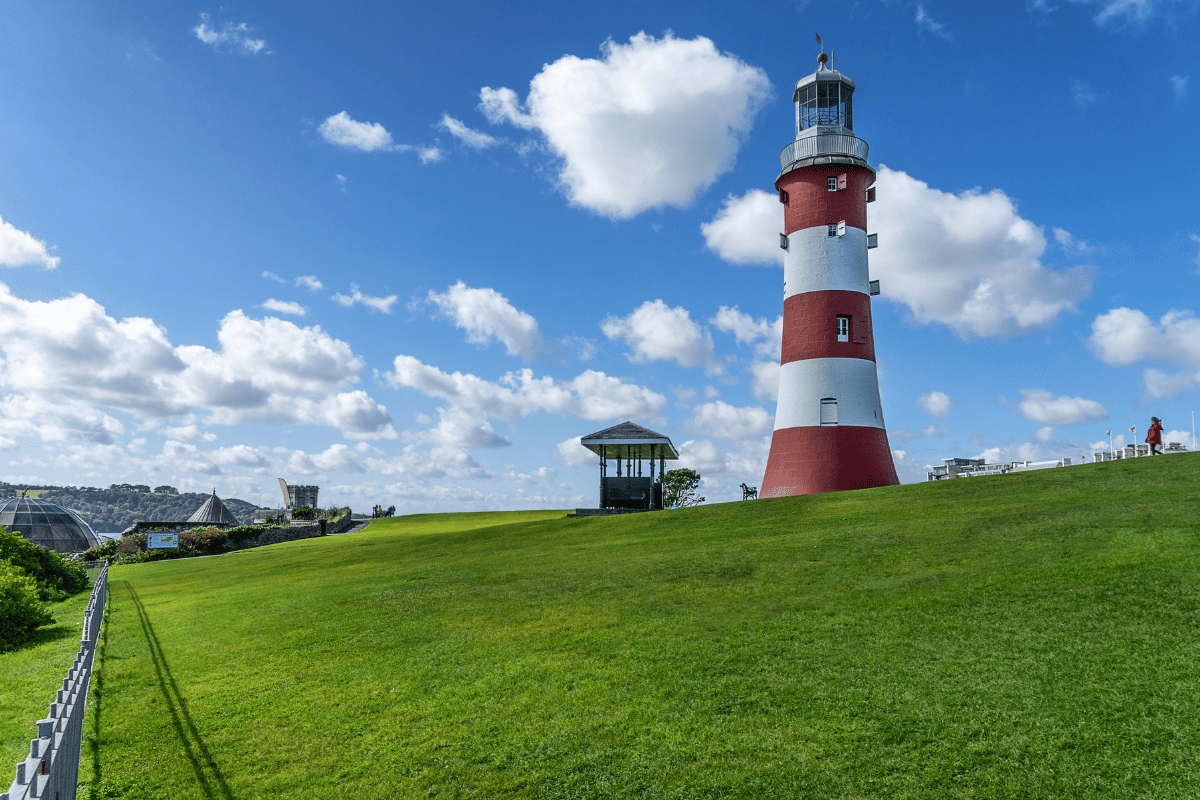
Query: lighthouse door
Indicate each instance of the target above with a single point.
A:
(829, 411)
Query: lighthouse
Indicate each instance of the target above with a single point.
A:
(829, 433)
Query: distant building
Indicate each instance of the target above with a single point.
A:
(294, 495)
(978, 468)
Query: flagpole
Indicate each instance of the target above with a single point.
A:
(1111, 454)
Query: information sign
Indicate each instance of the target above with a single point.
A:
(160, 541)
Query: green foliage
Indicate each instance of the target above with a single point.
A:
(679, 488)
(304, 512)
(21, 612)
(56, 577)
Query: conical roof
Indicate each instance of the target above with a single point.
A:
(213, 512)
(47, 524)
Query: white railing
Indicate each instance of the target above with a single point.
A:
(52, 769)
(826, 144)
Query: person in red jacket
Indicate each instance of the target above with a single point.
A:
(1154, 436)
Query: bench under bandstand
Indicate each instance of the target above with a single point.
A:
(629, 446)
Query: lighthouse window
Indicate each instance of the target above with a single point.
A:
(843, 328)
(833, 183)
(833, 229)
(824, 103)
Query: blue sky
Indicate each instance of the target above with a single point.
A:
(410, 251)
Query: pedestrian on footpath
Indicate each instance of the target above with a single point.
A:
(1154, 436)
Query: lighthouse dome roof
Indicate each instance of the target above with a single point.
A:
(822, 75)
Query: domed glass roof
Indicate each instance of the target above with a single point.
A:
(47, 524)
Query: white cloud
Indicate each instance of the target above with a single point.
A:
(1041, 406)
(383, 304)
(1123, 336)
(651, 123)
(746, 229)
(968, 261)
(343, 131)
(1179, 85)
(574, 454)
(469, 137)
(285, 307)
(908, 469)
(188, 433)
(657, 332)
(310, 282)
(937, 404)
(1136, 11)
(928, 24)
(1044, 434)
(19, 249)
(765, 383)
(723, 469)
(271, 276)
(1070, 244)
(228, 35)
(591, 395)
(486, 314)
(748, 330)
(66, 359)
(719, 420)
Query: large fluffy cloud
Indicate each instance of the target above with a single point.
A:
(651, 123)
(20, 249)
(486, 314)
(968, 260)
(1041, 406)
(72, 360)
(1126, 335)
(657, 332)
(590, 395)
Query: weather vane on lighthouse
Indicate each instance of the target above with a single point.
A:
(829, 433)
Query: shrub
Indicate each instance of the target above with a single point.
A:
(21, 613)
(55, 577)
(304, 512)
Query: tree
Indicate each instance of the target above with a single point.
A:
(679, 488)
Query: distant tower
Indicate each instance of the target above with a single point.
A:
(829, 434)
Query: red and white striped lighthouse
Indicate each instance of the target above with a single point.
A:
(829, 433)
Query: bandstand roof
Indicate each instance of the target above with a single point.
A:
(638, 438)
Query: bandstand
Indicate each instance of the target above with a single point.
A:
(633, 451)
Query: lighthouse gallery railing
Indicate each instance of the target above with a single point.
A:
(828, 144)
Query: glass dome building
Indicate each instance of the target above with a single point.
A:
(47, 524)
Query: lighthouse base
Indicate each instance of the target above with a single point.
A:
(834, 458)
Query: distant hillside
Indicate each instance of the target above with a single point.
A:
(112, 511)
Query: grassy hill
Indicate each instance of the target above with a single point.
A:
(1033, 635)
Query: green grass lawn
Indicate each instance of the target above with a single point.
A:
(1025, 636)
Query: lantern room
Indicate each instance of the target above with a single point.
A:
(824, 99)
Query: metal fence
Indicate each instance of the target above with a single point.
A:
(52, 770)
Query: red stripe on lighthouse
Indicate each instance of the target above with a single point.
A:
(810, 203)
(811, 460)
(810, 326)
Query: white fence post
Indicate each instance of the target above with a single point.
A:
(51, 772)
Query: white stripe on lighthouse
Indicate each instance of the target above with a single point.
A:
(851, 381)
(816, 262)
